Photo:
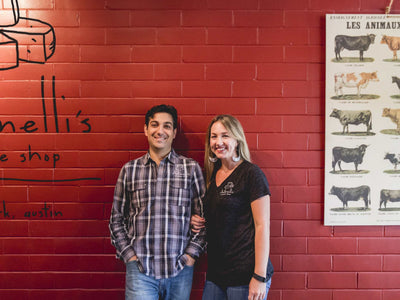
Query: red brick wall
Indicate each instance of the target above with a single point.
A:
(260, 60)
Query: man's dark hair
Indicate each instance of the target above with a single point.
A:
(169, 109)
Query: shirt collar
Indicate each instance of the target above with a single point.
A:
(171, 157)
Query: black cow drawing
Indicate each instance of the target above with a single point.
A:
(389, 195)
(348, 155)
(354, 117)
(360, 43)
(352, 194)
(393, 159)
(396, 80)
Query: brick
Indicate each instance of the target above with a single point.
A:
(181, 36)
(359, 231)
(13, 194)
(261, 123)
(49, 194)
(279, 106)
(105, 54)
(104, 18)
(267, 159)
(288, 211)
(209, 18)
(337, 280)
(77, 294)
(257, 89)
(303, 18)
(80, 36)
(232, 4)
(302, 89)
(315, 211)
(26, 4)
(288, 245)
(379, 246)
(301, 159)
(117, 71)
(285, 4)
(316, 142)
(391, 294)
(357, 263)
(258, 54)
(277, 177)
(306, 228)
(66, 54)
(302, 54)
(83, 71)
(14, 263)
(155, 18)
(88, 5)
(206, 89)
(94, 89)
(278, 141)
(14, 294)
(293, 280)
(306, 263)
(286, 36)
(217, 54)
(80, 211)
(282, 71)
(130, 36)
(56, 18)
(356, 295)
(68, 228)
(392, 231)
(156, 88)
(25, 245)
(180, 71)
(315, 176)
(332, 245)
(231, 36)
(307, 295)
(339, 5)
(80, 245)
(258, 18)
(230, 71)
(375, 280)
(97, 194)
(10, 228)
(156, 5)
(156, 54)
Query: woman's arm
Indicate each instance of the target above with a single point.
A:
(261, 215)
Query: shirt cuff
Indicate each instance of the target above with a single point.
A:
(127, 254)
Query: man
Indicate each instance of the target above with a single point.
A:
(154, 198)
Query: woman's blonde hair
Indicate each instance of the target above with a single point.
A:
(235, 130)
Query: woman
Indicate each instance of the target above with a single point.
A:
(237, 216)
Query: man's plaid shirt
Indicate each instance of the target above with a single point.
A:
(150, 216)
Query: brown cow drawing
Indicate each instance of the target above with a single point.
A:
(393, 43)
(394, 115)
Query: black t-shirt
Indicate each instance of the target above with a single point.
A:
(230, 225)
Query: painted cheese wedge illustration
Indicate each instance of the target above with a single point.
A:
(9, 13)
(8, 52)
(36, 39)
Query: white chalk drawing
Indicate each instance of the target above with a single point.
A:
(23, 39)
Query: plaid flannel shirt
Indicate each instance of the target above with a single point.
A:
(151, 211)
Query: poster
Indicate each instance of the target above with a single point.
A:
(362, 132)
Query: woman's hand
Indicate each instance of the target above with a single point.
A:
(257, 290)
(197, 223)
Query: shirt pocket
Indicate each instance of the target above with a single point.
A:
(180, 193)
(138, 194)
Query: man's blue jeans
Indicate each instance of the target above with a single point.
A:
(142, 287)
(214, 292)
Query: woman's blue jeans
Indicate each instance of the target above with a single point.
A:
(214, 292)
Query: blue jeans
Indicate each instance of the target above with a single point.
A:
(139, 286)
(214, 292)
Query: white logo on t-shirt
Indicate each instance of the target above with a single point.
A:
(228, 189)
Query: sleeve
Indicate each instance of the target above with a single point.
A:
(257, 183)
(197, 242)
(119, 236)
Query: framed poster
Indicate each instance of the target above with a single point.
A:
(362, 133)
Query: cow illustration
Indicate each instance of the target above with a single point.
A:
(351, 80)
(393, 159)
(389, 195)
(354, 117)
(396, 80)
(352, 194)
(359, 43)
(394, 115)
(348, 155)
(393, 43)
